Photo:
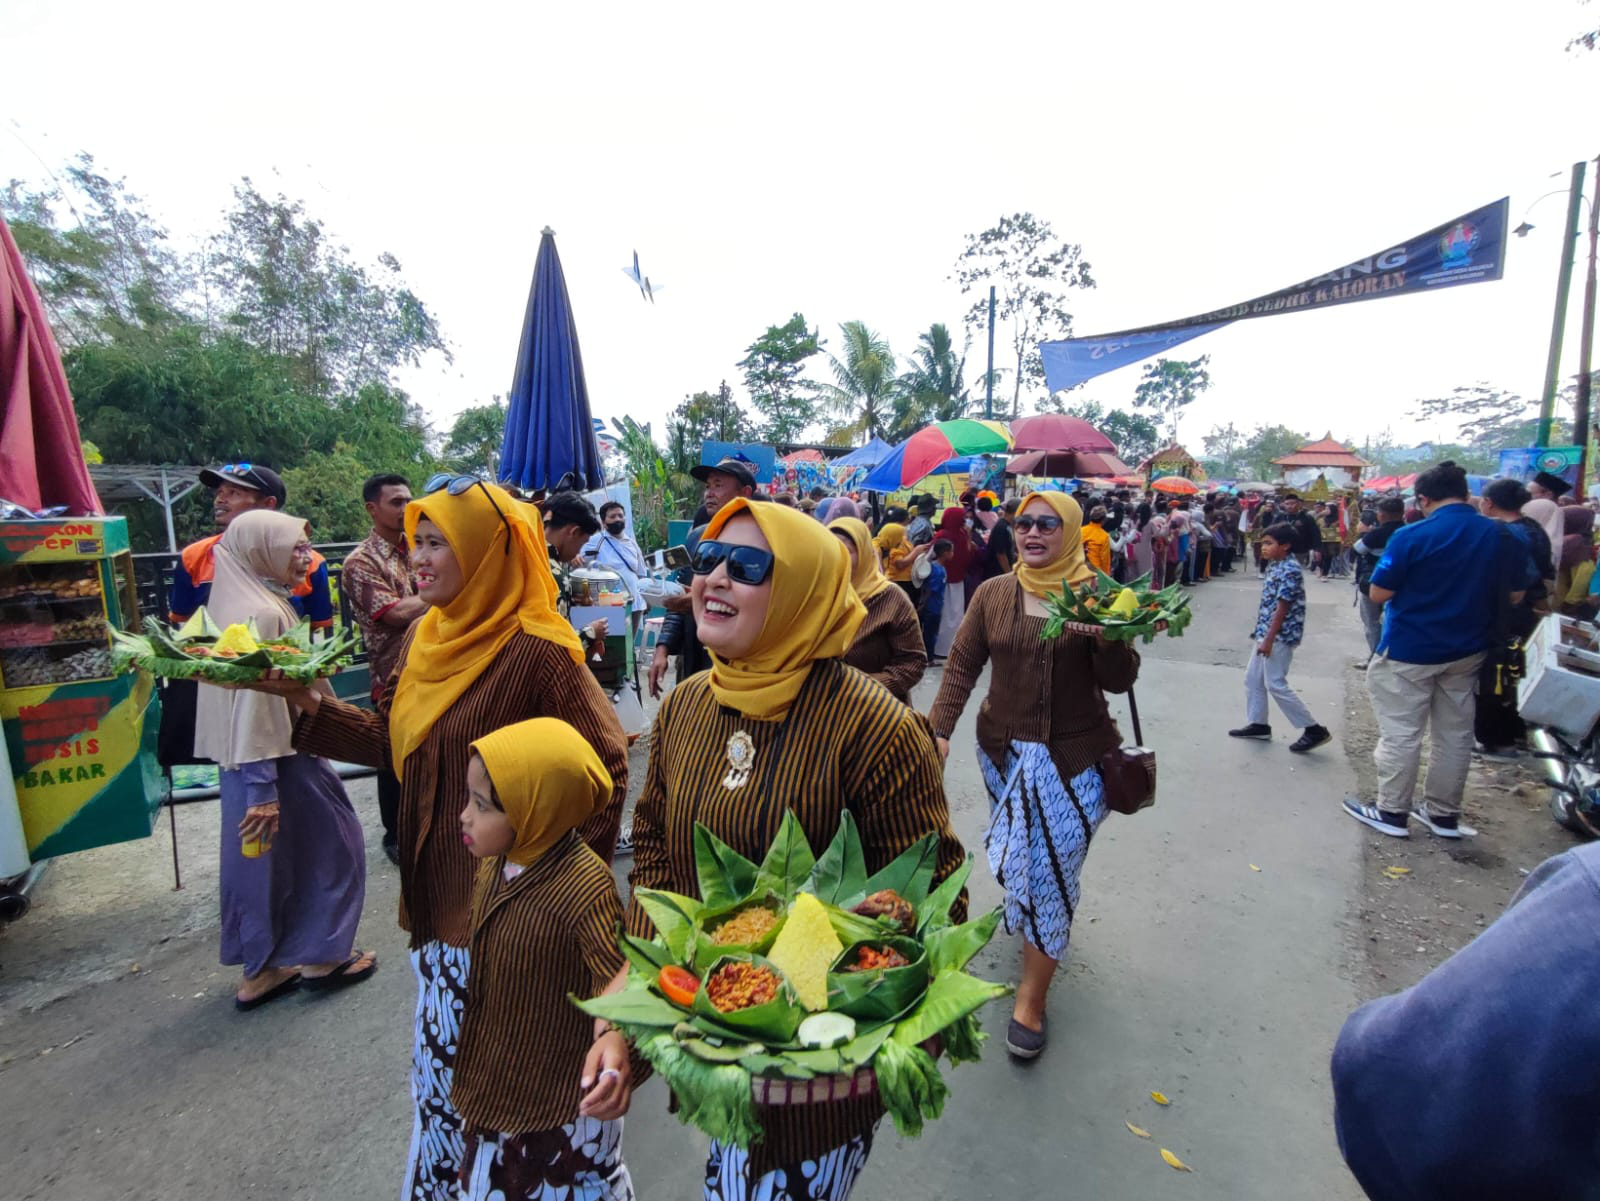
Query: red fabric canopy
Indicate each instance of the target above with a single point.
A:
(41, 457)
(1057, 431)
(1067, 464)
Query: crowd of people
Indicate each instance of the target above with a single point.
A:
(804, 627)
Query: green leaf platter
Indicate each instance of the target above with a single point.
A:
(713, 1060)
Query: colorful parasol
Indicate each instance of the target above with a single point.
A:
(1176, 485)
(933, 446)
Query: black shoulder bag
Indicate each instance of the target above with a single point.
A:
(1129, 772)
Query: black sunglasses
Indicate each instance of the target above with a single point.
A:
(746, 564)
(1048, 523)
(455, 485)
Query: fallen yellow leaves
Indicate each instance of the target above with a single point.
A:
(1174, 1162)
(1254, 868)
(1394, 873)
(1142, 1133)
(1160, 1098)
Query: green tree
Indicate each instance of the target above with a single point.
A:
(865, 385)
(112, 271)
(1170, 385)
(773, 374)
(1266, 443)
(1488, 420)
(324, 487)
(709, 416)
(1224, 450)
(475, 438)
(660, 491)
(292, 291)
(935, 384)
(1032, 273)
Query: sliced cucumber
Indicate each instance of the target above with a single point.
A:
(824, 1030)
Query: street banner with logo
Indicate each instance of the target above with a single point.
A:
(1525, 463)
(1469, 249)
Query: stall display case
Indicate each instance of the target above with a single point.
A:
(79, 736)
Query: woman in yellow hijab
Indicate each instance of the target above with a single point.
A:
(898, 555)
(889, 645)
(491, 651)
(1042, 730)
(544, 921)
(779, 724)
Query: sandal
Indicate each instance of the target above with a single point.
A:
(341, 976)
(282, 989)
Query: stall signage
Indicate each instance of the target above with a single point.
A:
(61, 733)
(81, 538)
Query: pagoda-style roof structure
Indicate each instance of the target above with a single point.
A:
(1324, 453)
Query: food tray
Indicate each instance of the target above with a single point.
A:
(1098, 631)
(820, 1090)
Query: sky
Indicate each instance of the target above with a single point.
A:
(829, 158)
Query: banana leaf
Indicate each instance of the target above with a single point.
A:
(789, 860)
(725, 875)
(858, 1052)
(823, 1062)
(854, 927)
(673, 915)
(951, 997)
(714, 1098)
(703, 952)
(934, 913)
(842, 870)
(953, 947)
(910, 874)
(910, 1086)
(199, 628)
(775, 1021)
(963, 1040)
(649, 957)
(635, 1006)
(883, 993)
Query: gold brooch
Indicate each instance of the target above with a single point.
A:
(741, 758)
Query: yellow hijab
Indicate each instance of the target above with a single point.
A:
(813, 613)
(891, 536)
(502, 594)
(548, 780)
(867, 579)
(1070, 565)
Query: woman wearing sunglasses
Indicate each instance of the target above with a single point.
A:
(888, 646)
(780, 724)
(1041, 731)
(491, 651)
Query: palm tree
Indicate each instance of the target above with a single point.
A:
(936, 382)
(863, 395)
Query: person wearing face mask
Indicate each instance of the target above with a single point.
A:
(293, 877)
(490, 651)
(615, 548)
(1042, 730)
(780, 724)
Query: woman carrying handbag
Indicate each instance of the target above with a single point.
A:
(1046, 743)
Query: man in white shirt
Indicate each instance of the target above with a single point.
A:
(615, 548)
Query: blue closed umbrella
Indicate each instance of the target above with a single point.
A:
(549, 430)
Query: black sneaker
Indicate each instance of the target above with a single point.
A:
(1254, 730)
(1024, 1043)
(1500, 754)
(1311, 739)
(1447, 825)
(1381, 820)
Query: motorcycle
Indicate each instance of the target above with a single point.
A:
(1559, 696)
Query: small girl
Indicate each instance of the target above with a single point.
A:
(544, 920)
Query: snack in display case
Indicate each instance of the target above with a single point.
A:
(53, 624)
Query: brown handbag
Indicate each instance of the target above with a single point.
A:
(1129, 772)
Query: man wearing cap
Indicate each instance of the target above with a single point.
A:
(1548, 486)
(726, 480)
(239, 487)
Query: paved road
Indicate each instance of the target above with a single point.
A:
(124, 1073)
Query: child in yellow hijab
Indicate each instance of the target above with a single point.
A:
(544, 919)
(898, 553)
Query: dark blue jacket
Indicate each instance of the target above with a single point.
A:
(1482, 1082)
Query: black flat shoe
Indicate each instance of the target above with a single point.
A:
(1024, 1043)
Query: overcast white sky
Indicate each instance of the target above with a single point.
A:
(828, 158)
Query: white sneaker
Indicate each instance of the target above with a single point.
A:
(1457, 828)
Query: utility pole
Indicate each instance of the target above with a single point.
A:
(988, 379)
(1580, 417)
(1569, 245)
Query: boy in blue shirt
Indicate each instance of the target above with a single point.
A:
(930, 603)
(1280, 624)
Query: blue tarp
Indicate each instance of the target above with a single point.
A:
(870, 455)
(549, 429)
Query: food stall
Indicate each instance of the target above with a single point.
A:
(80, 738)
(599, 593)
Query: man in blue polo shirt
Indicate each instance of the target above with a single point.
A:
(1445, 581)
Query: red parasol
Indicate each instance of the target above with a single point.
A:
(1067, 464)
(41, 458)
(1176, 485)
(1057, 431)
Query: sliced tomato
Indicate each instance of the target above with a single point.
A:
(678, 985)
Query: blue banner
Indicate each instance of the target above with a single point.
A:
(763, 460)
(1469, 249)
